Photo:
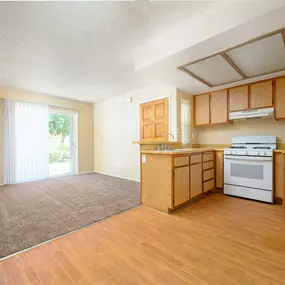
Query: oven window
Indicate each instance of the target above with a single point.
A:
(247, 171)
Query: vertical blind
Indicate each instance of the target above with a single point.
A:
(26, 141)
(186, 137)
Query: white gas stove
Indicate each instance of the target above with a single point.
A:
(248, 167)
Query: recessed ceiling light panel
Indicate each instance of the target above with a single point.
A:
(214, 70)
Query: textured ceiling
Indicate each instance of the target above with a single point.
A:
(85, 50)
(78, 49)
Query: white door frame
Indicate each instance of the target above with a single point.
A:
(73, 141)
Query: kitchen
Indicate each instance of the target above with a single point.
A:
(239, 134)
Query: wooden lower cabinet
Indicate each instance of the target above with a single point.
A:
(171, 180)
(219, 169)
(279, 173)
(196, 187)
(181, 185)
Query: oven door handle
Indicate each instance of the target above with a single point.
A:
(255, 158)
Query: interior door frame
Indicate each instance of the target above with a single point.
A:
(73, 141)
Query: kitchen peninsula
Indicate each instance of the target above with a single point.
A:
(172, 178)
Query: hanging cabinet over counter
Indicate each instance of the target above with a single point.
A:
(211, 108)
(214, 107)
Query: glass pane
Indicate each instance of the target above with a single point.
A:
(59, 144)
(247, 171)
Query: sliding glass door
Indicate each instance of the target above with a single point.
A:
(62, 143)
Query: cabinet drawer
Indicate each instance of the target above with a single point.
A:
(182, 160)
(208, 174)
(207, 186)
(208, 165)
(196, 158)
(207, 156)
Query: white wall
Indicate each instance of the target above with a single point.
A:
(116, 124)
(222, 134)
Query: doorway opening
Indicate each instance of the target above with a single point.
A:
(63, 151)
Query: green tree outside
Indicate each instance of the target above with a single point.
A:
(59, 125)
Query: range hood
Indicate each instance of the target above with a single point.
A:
(256, 113)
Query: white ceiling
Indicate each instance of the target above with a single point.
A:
(89, 50)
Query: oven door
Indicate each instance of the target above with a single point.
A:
(248, 171)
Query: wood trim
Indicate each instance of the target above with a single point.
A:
(208, 179)
(166, 121)
(249, 97)
(181, 166)
(241, 85)
(237, 46)
(141, 178)
(283, 36)
(284, 183)
(195, 76)
(172, 182)
(203, 125)
(233, 65)
(208, 168)
(210, 99)
(228, 105)
(230, 62)
(274, 97)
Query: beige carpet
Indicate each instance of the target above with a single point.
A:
(34, 212)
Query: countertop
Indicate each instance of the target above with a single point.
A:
(191, 150)
(180, 151)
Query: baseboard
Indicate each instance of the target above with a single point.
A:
(117, 176)
(87, 172)
(278, 200)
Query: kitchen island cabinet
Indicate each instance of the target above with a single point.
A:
(170, 179)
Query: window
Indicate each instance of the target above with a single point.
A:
(185, 121)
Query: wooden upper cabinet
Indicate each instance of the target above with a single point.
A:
(202, 109)
(219, 107)
(280, 98)
(153, 120)
(239, 98)
(261, 95)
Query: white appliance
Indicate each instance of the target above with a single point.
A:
(256, 113)
(248, 167)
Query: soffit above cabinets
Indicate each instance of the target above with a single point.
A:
(260, 56)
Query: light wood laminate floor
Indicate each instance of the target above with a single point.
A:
(217, 240)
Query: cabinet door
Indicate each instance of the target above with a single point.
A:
(279, 182)
(196, 180)
(154, 120)
(202, 109)
(219, 169)
(219, 107)
(146, 121)
(238, 98)
(261, 95)
(160, 118)
(280, 98)
(181, 185)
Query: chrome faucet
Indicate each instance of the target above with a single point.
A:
(162, 137)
